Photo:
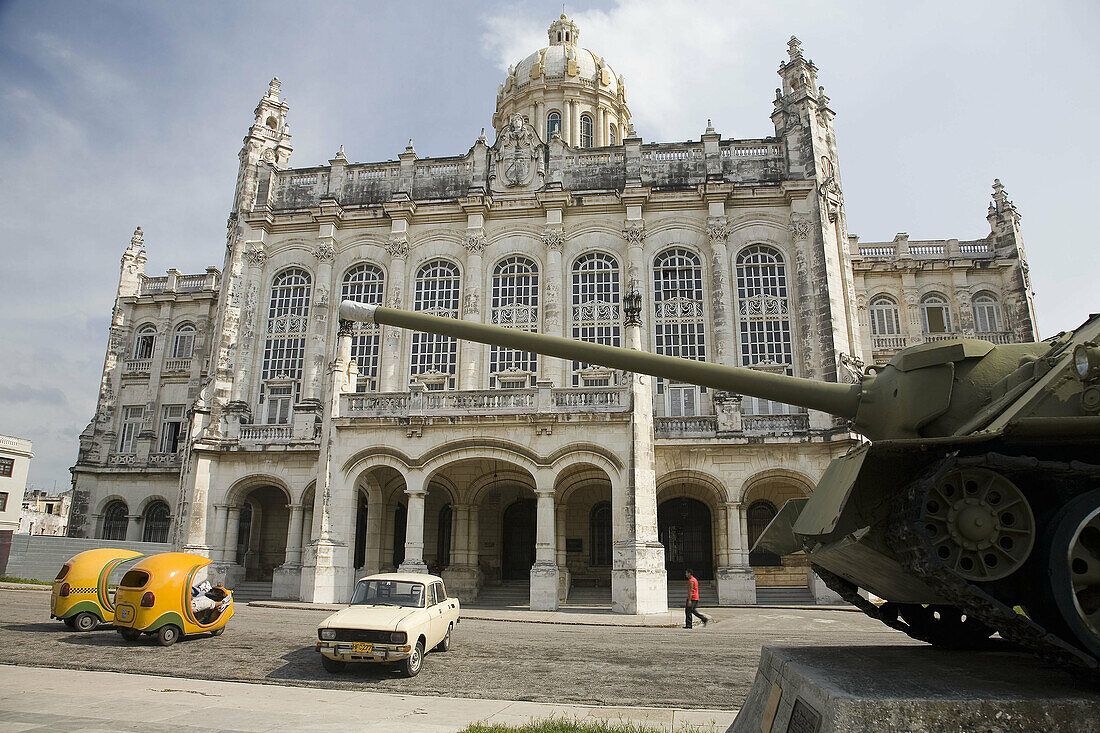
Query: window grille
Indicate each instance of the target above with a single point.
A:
(131, 425)
(884, 316)
(434, 356)
(158, 518)
(764, 316)
(7, 467)
(553, 124)
(171, 426)
(515, 305)
(183, 344)
(678, 312)
(115, 520)
(935, 314)
(145, 341)
(365, 284)
(586, 130)
(987, 315)
(597, 312)
(287, 323)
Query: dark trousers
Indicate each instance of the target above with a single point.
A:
(689, 610)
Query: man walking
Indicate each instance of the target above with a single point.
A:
(692, 601)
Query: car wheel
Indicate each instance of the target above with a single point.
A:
(444, 645)
(130, 634)
(335, 666)
(85, 621)
(218, 632)
(411, 666)
(168, 635)
(70, 621)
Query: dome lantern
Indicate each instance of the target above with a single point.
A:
(563, 32)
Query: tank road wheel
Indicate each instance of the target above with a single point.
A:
(1073, 572)
(85, 621)
(168, 635)
(978, 523)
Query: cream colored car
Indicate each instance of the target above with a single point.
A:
(393, 617)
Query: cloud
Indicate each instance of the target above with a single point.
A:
(25, 393)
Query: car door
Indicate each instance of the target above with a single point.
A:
(435, 614)
(449, 606)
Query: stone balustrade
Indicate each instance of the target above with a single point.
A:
(137, 367)
(177, 365)
(797, 423)
(484, 402)
(177, 282)
(266, 433)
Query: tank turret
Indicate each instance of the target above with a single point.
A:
(974, 509)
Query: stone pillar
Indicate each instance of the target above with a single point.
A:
(248, 328)
(721, 306)
(638, 579)
(564, 579)
(415, 492)
(461, 574)
(393, 338)
(232, 529)
(544, 573)
(325, 252)
(294, 536)
(218, 553)
(307, 527)
(287, 580)
(133, 528)
(736, 580)
(556, 370)
(471, 352)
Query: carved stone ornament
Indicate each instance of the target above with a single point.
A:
(474, 243)
(518, 156)
(553, 240)
(717, 231)
(799, 228)
(634, 234)
(398, 248)
(324, 252)
(269, 156)
(255, 256)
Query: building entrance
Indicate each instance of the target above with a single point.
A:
(684, 528)
(518, 543)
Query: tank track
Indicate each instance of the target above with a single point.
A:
(916, 556)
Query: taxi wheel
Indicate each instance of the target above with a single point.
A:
(85, 621)
(130, 634)
(411, 666)
(218, 632)
(168, 635)
(444, 645)
(335, 666)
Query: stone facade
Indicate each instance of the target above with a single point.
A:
(315, 451)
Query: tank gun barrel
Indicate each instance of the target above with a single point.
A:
(837, 399)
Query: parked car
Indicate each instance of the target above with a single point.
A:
(81, 597)
(393, 617)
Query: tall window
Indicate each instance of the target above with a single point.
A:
(114, 521)
(171, 425)
(599, 535)
(287, 322)
(935, 314)
(183, 342)
(515, 305)
(7, 467)
(884, 316)
(434, 357)
(553, 124)
(158, 518)
(987, 313)
(365, 284)
(678, 319)
(597, 314)
(763, 312)
(131, 425)
(586, 130)
(145, 341)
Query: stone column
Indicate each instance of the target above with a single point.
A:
(721, 291)
(325, 252)
(307, 527)
(393, 338)
(638, 579)
(553, 321)
(294, 536)
(471, 352)
(248, 329)
(461, 574)
(232, 529)
(287, 579)
(601, 127)
(133, 528)
(544, 573)
(415, 492)
(736, 580)
(218, 552)
(564, 579)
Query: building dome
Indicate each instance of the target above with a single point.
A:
(566, 88)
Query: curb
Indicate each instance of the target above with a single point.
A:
(26, 586)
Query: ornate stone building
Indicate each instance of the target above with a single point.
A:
(237, 411)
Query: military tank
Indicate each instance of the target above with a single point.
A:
(972, 509)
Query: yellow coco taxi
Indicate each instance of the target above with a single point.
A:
(393, 617)
(155, 597)
(80, 595)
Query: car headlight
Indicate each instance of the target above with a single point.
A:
(328, 634)
(398, 637)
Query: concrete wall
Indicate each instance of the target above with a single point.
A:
(40, 557)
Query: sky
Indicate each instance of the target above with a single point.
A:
(120, 114)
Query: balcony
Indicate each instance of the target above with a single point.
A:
(137, 367)
(797, 423)
(707, 426)
(266, 433)
(177, 282)
(887, 343)
(695, 426)
(995, 337)
(177, 366)
(542, 400)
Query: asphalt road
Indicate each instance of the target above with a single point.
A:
(709, 667)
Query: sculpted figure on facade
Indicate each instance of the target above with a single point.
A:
(518, 157)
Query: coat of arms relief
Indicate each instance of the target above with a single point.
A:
(518, 157)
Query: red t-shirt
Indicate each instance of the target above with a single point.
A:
(694, 585)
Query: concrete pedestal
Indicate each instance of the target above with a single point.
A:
(736, 586)
(286, 582)
(822, 593)
(638, 579)
(462, 582)
(331, 574)
(544, 587)
(911, 689)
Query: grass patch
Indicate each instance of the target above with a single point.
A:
(29, 581)
(563, 725)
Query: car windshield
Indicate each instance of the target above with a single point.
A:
(388, 593)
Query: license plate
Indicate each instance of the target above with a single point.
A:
(124, 613)
(361, 647)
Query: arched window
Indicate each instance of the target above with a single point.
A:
(144, 342)
(285, 345)
(758, 516)
(987, 313)
(114, 521)
(158, 518)
(365, 284)
(884, 316)
(515, 305)
(599, 535)
(553, 124)
(586, 130)
(935, 314)
(435, 358)
(183, 342)
(611, 139)
(597, 314)
(678, 321)
(763, 313)
(443, 538)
